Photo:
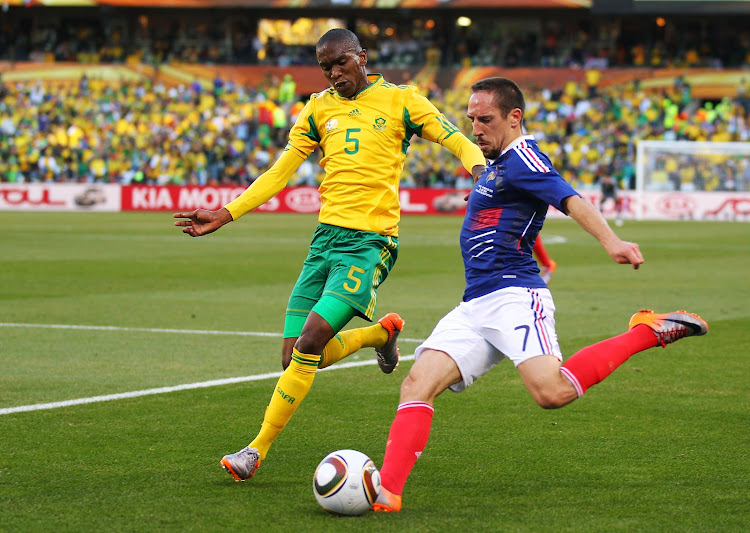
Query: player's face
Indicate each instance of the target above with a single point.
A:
(343, 68)
(492, 131)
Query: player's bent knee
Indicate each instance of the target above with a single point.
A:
(415, 390)
(551, 398)
(408, 386)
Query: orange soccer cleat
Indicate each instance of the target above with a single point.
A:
(389, 353)
(670, 327)
(387, 502)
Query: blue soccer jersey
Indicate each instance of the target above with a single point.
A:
(506, 211)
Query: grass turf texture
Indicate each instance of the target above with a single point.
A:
(661, 445)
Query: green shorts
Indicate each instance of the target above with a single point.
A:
(344, 264)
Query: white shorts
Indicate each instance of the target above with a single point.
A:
(516, 323)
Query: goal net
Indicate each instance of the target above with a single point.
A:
(692, 167)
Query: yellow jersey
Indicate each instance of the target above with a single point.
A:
(363, 142)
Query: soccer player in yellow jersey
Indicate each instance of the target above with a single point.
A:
(362, 125)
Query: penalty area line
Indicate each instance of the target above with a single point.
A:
(175, 388)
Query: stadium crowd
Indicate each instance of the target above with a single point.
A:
(393, 42)
(96, 131)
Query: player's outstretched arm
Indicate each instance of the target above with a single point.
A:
(202, 221)
(476, 173)
(590, 219)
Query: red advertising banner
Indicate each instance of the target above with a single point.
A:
(289, 200)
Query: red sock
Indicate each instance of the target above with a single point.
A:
(409, 433)
(540, 252)
(592, 364)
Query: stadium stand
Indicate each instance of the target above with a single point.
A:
(151, 96)
(395, 38)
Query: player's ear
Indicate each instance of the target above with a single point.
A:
(363, 57)
(516, 116)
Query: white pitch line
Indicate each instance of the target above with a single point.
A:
(157, 330)
(164, 390)
(147, 330)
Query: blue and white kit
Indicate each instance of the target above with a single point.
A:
(507, 310)
(506, 211)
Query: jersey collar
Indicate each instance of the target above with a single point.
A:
(375, 79)
(516, 141)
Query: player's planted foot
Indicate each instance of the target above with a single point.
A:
(388, 355)
(387, 502)
(547, 271)
(670, 327)
(243, 464)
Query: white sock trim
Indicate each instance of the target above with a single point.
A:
(573, 380)
(412, 405)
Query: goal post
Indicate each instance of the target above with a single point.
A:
(690, 167)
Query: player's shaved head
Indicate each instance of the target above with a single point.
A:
(506, 94)
(340, 36)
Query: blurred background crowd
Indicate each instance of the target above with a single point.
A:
(394, 38)
(222, 132)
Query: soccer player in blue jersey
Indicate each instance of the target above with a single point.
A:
(507, 310)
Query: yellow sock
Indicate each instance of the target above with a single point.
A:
(349, 341)
(289, 392)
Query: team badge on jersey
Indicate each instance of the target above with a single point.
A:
(496, 175)
(332, 124)
(379, 124)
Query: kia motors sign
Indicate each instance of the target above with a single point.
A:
(289, 200)
(149, 198)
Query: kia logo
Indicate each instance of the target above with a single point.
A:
(303, 200)
(677, 205)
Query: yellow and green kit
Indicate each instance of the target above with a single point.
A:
(363, 142)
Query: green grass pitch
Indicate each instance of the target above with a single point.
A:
(662, 445)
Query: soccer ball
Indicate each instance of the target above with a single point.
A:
(346, 482)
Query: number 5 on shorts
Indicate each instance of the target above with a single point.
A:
(351, 275)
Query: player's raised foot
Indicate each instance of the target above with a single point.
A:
(388, 355)
(547, 271)
(670, 327)
(243, 464)
(387, 502)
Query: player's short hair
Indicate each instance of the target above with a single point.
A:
(507, 95)
(340, 36)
